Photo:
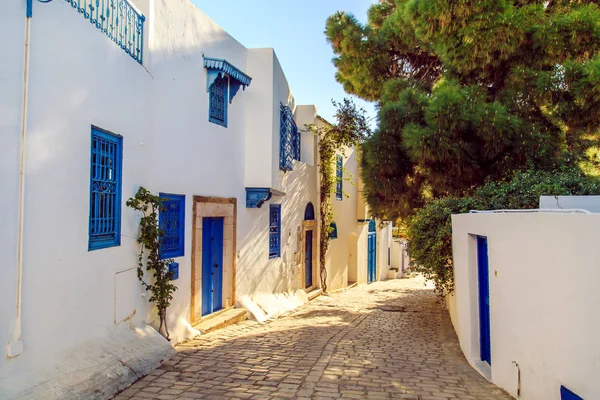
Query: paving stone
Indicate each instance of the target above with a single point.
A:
(338, 346)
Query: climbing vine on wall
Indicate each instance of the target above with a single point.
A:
(350, 129)
(149, 258)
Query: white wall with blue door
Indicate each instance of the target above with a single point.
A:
(543, 300)
(74, 297)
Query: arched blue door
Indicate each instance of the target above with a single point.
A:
(372, 253)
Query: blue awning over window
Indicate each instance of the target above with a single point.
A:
(217, 66)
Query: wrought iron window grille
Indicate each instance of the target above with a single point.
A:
(275, 231)
(339, 177)
(118, 20)
(289, 139)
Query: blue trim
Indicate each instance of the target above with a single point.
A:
(105, 185)
(217, 103)
(174, 271)
(221, 65)
(339, 165)
(175, 212)
(119, 21)
(364, 220)
(29, 8)
(333, 231)
(309, 212)
(255, 197)
(275, 231)
(566, 394)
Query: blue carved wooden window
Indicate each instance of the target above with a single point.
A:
(105, 189)
(338, 177)
(171, 221)
(217, 112)
(275, 231)
(289, 139)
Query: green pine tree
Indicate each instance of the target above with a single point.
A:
(469, 91)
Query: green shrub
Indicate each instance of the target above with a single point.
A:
(430, 229)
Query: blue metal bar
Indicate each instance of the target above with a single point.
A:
(29, 8)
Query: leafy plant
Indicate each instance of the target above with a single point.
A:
(350, 130)
(149, 258)
(430, 229)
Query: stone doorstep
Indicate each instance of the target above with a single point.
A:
(314, 294)
(222, 319)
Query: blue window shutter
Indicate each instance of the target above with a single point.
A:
(333, 231)
(289, 140)
(275, 231)
(105, 189)
(171, 221)
(339, 177)
(566, 394)
(217, 112)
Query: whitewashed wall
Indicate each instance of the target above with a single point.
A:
(589, 203)
(384, 242)
(75, 298)
(258, 276)
(544, 299)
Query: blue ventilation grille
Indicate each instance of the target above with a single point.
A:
(118, 20)
(218, 103)
(338, 177)
(289, 139)
(172, 223)
(105, 190)
(275, 231)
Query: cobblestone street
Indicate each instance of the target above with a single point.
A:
(390, 339)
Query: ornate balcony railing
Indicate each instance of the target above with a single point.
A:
(122, 23)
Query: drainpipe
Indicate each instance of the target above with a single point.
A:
(15, 347)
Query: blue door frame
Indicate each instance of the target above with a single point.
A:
(212, 264)
(308, 258)
(372, 253)
(483, 275)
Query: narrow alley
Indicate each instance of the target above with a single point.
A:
(390, 339)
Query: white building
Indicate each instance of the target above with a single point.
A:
(525, 307)
(90, 110)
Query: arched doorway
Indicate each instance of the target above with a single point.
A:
(309, 248)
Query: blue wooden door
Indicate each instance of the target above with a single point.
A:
(484, 300)
(212, 265)
(308, 258)
(372, 253)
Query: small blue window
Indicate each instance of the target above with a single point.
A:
(338, 176)
(171, 221)
(105, 189)
(289, 139)
(275, 231)
(333, 232)
(566, 394)
(218, 101)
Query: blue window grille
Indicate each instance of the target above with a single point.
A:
(171, 221)
(217, 112)
(338, 176)
(289, 139)
(275, 231)
(118, 20)
(105, 189)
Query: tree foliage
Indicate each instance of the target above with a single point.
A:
(430, 229)
(469, 91)
(149, 258)
(351, 129)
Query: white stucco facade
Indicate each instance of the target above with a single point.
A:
(72, 298)
(543, 274)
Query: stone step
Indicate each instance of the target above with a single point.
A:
(314, 294)
(222, 320)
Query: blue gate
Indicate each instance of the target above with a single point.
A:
(372, 252)
(484, 300)
(212, 265)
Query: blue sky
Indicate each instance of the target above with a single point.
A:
(295, 30)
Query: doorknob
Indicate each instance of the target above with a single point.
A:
(216, 265)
